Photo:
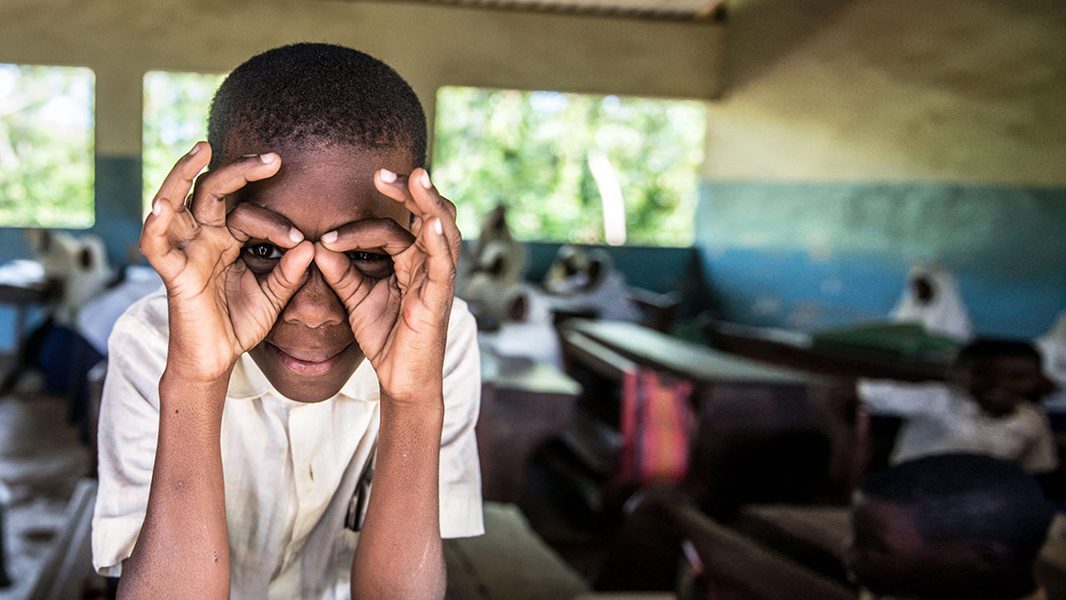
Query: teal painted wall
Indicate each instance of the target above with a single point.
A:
(811, 255)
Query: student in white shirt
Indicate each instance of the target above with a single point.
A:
(307, 345)
(990, 407)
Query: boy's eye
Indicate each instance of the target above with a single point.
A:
(263, 251)
(371, 264)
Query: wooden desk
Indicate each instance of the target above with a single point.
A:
(746, 409)
(794, 350)
(509, 561)
(523, 405)
(685, 359)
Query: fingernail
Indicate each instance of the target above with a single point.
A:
(156, 208)
(387, 176)
(268, 158)
(195, 149)
(438, 227)
(329, 238)
(424, 180)
(296, 235)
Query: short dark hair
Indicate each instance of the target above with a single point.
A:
(313, 93)
(968, 497)
(988, 348)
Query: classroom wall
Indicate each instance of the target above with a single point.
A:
(430, 45)
(870, 134)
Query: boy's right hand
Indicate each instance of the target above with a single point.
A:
(218, 308)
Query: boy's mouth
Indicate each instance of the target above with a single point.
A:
(307, 362)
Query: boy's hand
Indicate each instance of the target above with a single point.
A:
(218, 308)
(399, 321)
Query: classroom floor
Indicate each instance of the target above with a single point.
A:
(40, 464)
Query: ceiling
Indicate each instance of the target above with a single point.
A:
(678, 10)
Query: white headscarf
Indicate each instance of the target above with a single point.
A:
(1052, 347)
(943, 314)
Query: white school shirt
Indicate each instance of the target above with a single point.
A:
(290, 468)
(939, 419)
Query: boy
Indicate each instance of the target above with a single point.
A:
(306, 339)
(990, 408)
(949, 526)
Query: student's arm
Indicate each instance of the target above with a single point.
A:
(401, 324)
(902, 399)
(1042, 456)
(217, 310)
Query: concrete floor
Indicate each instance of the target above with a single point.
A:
(40, 464)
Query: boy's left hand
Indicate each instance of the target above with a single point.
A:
(400, 322)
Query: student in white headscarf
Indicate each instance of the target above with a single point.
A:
(932, 300)
(498, 264)
(586, 281)
(527, 329)
(1052, 346)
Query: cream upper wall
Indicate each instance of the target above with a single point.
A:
(949, 90)
(431, 46)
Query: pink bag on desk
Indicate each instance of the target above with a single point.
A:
(657, 426)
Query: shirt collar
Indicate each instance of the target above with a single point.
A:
(248, 382)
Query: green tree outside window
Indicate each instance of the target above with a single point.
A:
(554, 159)
(175, 118)
(46, 146)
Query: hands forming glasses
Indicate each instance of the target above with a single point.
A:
(230, 275)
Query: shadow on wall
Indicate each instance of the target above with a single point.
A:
(813, 255)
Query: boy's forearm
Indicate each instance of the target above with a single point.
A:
(183, 548)
(399, 553)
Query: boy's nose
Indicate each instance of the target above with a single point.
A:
(315, 304)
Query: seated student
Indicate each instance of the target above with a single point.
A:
(305, 346)
(568, 271)
(496, 248)
(989, 407)
(586, 281)
(932, 299)
(527, 330)
(949, 526)
(1052, 347)
(498, 264)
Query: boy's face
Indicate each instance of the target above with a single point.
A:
(999, 384)
(887, 555)
(311, 352)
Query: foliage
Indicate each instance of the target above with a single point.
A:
(175, 118)
(529, 151)
(46, 146)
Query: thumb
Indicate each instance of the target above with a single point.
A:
(288, 275)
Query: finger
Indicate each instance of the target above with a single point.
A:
(439, 288)
(421, 198)
(337, 270)
(248, 221)
(208, 201)
(288, 275)
(178, 182)
(435, 205)
(156, 244)
(381, 235)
